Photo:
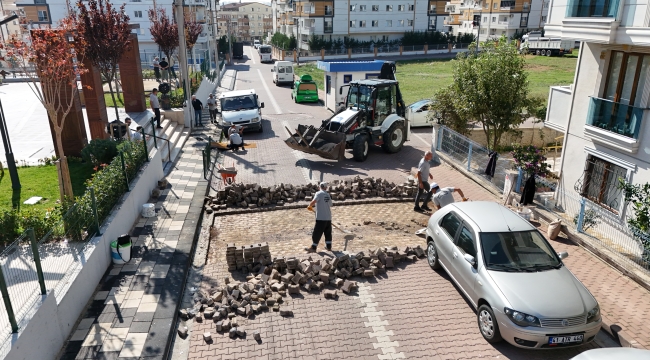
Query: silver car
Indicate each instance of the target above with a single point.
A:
(512, 276)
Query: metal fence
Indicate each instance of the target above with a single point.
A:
(472, 156)
(45, 259)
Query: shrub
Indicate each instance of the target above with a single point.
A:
(99, 151)
(590, 219)
(41, 222)
(9, 222)
(531, 160)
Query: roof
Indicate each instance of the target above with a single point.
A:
(350, 66)
(373, 82)
(237, 93)
(490, 216)
(418, 104)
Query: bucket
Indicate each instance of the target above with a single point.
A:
(148, 210)
(121, 250)
(525, 213)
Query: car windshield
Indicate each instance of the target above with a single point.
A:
(238, 103)
(265, 50)
(359, 94)
(307, 87)
(518, 251)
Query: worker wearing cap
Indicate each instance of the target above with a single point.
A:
(445, 196)
(323, 203)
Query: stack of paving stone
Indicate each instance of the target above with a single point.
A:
(253, 195)
(249, 258)
(266, 287)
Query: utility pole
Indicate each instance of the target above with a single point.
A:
(182, 59)
(229, 44)
(298, 43)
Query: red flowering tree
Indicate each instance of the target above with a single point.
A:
(106, 32)
(164, 31)
(192, 31)
(51, 58)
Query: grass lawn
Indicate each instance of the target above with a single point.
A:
(120, 100)
(42, 181)
(419, 79)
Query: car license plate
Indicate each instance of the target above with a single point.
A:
(555, 340)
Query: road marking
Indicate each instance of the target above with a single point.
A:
(302, 162)
(252, 58)
(268, 91)
(379, 332)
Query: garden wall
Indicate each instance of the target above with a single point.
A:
(478, 136)
(52, 320)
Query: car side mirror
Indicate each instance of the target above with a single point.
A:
(262, 105)
(563, 255)
(470, 259)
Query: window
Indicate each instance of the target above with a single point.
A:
(362, 7)
(400, 7)
(353, 24)
(375, 23)
(400, 23)
(389, 23)
(526, 6)
(432, 9)
(141, 31)
(543, 19)
(450, 224)
(410, 22)
(599, 182)
(328, 11)
(389, 7)
(375, 8)
(362, 23)
(466, 242)
(482, 31)
(495, 6)
(328, 28)
(411, 7)
(494, 19)
(42, 15)
(484, 19)
(259, 17)
(493, 31)
(347, 78)
(353, 7)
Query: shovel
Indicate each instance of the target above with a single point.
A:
(348, 235)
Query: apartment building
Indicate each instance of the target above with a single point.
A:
(363, 20)
(283, 17)
(12, 28)
(50, 12)
(604, 113)
(494, 18)
(248, 21)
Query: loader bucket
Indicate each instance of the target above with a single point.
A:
(327, 144)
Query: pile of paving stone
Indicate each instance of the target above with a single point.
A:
(253, 195)
(249, 258)
(285, 276)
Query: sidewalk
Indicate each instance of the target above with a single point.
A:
(135, 305)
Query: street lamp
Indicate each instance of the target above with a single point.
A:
(4, 131)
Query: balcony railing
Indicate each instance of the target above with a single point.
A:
(431, 12)
(592, 8)
(615, 117)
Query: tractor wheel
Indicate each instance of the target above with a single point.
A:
(394, 138)
(537, 52)
(360, 147)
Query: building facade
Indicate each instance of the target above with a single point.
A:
(246, 21)
(604, 113)
(494, 18)
(363, 20)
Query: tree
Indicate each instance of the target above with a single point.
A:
(164, 31)
(443, 106)
(491, 89)
(51, 58)
(106, 32)
(192, 31)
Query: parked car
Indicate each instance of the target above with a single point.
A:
(305, 90)
(614, 353)
(242, 108)
(418, 113)
(509, 272)
(256, 43)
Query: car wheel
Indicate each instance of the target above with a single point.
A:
(394, 138)
(432, 256)
(487, 324)
(360, 148)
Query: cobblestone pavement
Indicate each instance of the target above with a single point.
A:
(132, 313)
(411, 312)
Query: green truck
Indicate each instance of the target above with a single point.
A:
(305, 90)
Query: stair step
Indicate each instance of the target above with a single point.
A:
(184, 135)
(172, 142)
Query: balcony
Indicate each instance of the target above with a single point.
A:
(594, 21)
(559, 105)
(614, 124)
(452, 9)
(307, 30)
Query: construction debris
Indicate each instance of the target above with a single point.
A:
(254, 196)
(269, 282)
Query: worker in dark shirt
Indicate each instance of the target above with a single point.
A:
(198, 111)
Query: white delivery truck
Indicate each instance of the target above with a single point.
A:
(265, 53)
(282, 73)
(534, 43)
(242, 108)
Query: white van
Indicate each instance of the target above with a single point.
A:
(265, 53)
(242, 108)
(282, 73)
(256, 43)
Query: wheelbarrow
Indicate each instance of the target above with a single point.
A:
(228, 174)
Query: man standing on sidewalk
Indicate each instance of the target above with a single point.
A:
(198, 110)
(422, 178)
(212, 107)
(155, 106)
(323, 203)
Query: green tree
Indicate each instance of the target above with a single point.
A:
(491, 89)
(443, 106)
